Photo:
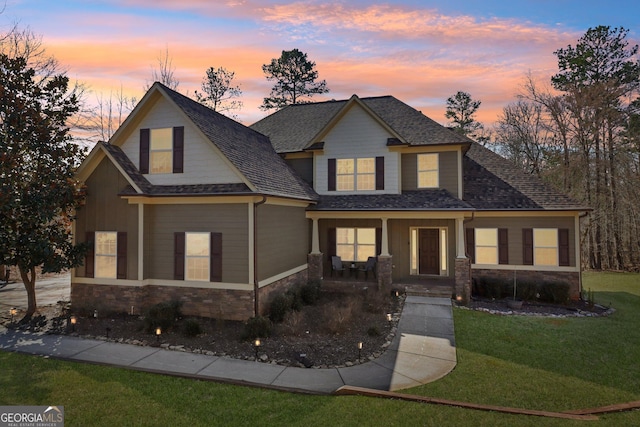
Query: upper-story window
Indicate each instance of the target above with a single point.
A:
(162, 150)
(428, 170)
(359, 174)
(105, 254)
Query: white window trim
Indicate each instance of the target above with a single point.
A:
(496, 246)
(355, 243)
(187, 256)
(436, 170)
(97, 256)
(556, 247)
(356, 174)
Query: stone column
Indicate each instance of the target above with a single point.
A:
(314, 262)
(385, 272)
(463, 279)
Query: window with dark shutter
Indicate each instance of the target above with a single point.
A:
(527, 246)
(215, 268)
(178, 149)
(563, 247)
(178, 263)
(331, 174)
(89, 260)
(471, 244)
(144, 151)
(121, 255)
(379, 173)
(503, 246)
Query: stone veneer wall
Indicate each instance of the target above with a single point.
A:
(463, 279)
(571, 277)
(265, 294)
(314, 261)
(215, 303)
(385, 272)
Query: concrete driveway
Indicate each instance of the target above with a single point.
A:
(48, 292)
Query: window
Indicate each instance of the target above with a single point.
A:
(161, 150)
(106, 254)
(428, 170)
(355, 244)
(197, 256)
(486, 246)
(357, 174)
(545, 246)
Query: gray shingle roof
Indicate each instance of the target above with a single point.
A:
(249, 151)
(491, 182)
(436, 199)
(294, 127)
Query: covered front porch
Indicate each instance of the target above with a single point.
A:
(415, 251)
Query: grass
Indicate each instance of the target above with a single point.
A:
(534, 363)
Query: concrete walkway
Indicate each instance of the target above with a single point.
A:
(422, 351)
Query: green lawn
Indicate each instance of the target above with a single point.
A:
(534, 363)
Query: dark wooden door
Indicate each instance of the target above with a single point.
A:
(429, 251)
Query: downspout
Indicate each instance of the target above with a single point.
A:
(256, 286)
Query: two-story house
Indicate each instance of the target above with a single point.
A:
(184, 203)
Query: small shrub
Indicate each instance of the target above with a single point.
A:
(192, 328)
(373, 331)
(293, 323)
(295, 298)
(336, 318)
(554, 292)
(256, 327)
(375, 301)
(310, 292)
(526, 290)
(162, 315)
(278, 308)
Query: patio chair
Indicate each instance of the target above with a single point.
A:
(336, 265)
(370, 266)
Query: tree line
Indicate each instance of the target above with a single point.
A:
(580, 132)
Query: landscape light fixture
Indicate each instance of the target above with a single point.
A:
(158, 333)
(73, 321)
(360, 352)
(458, 298)
(389, 319)
(13, 312)
(256, 346)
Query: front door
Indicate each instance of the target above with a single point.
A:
(429, 244)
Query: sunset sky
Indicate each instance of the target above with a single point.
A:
(421, 52)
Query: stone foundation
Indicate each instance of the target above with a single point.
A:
(572, 278)
(385, 272)
(266, 293)
(215, 303)
(463, 279)
(314, 261)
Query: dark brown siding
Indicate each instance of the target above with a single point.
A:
(282, 239)
(106, 211)
(448, 167)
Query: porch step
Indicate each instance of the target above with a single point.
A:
(438, 291)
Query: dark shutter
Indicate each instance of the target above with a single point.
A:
(471, 244)
(215, 267)
(331, 242)
(178, 251)
(379, 173)
(503, 246)
(121, 255)
(178, 149)
(331, 174)
(527, 246)
(378, 240)
(89, 258)
(144, 150)
(563, 246)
